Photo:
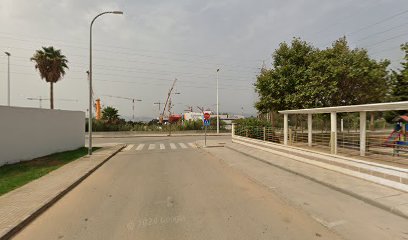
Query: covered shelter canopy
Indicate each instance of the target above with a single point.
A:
(362, 109)
(390, 106)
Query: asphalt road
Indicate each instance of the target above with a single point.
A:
(167, 189)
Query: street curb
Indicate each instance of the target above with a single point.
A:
(342, 190)
(47, 205)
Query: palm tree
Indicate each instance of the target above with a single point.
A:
(110, 114)
(51, 64)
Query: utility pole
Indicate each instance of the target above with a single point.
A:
(218, 115)
(8, 78)
(90, 78)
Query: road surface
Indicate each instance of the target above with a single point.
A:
(166, 188)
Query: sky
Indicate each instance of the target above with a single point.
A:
(140, 53)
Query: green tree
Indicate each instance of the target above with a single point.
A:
(52, 65)
(281, 87)
(110, 114)
(303, 76)
(399, 89)
(400, 78)
(352, 76)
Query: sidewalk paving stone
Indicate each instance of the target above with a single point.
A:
(20, 205)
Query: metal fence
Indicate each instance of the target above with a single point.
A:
(348, 142)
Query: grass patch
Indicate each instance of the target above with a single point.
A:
(16, 175)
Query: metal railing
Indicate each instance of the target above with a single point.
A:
(348, 142)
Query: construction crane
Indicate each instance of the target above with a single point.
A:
(159, 103)
(201, 109)
(167, 101)
(127, 98)
(40, 100)
(189, 108)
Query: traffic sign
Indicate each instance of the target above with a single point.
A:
(207, 115)
(206, 122)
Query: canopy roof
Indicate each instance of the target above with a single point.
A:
(353, 108)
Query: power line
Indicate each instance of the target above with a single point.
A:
(85, 42)
(377, 33)
(379, 22)
(191, 75)
(138, 54)
(152, 63)
(142, 83)
(388, 39)
(372, 25)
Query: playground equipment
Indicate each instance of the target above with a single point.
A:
(398, 137)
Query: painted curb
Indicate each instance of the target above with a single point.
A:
(55, 199)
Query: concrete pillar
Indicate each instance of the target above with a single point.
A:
(233, 130)
(333, 133)
(264, 133)
(285, 129)
(363, 133)
(309, 129)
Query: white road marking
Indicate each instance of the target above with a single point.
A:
(128, 147)
(182, 145)
(192, 145)
(173, 146)
(152, 146)
(162, 146)
(140, 147)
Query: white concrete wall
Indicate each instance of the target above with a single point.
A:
(27, 133)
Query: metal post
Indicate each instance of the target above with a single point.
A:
(8, 78)
(264, 133)
(285, 129)
(363, 132)
(205, 136)
(133, 109)
(218, 115)
(90, 91)
(90, 79)
(333, 132)
(309, 130)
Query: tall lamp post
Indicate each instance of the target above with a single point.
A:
(218, 115)
(8, 77)
(90, 79)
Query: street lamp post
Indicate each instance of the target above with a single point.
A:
(218, 115)
(133, 107)
(8, 77)
(90, 79)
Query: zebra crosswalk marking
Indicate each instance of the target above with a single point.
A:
(182, 145)
(128, 147)
(173, 146)
(140, 147)
(162, 146)
(192, 145)
(152, 146)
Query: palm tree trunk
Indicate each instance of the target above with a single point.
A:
(52, 95)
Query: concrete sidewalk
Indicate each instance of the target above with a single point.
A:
(20, 206)
(386, 198)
